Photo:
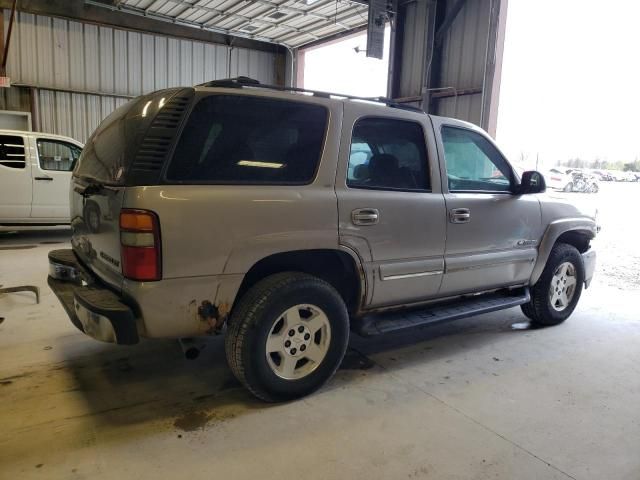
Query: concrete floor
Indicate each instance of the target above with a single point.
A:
(479, 398)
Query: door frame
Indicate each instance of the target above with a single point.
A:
(373, 269)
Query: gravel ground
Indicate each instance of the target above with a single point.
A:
(617, 244)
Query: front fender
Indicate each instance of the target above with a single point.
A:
(585, 226)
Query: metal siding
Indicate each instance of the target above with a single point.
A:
(52, 53)
(173, 62)
(186, 62)
(148, 60)
(463, 61)
(44, 53)
(198, 63)
(105, 53)
(413, 66)
(91, 41)
(134, 63)
(61, 51)
(160, 62)
(77, 56)
(79, 116)
(120, 67)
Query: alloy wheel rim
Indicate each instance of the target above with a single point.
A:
(298, 341)
(563, 286)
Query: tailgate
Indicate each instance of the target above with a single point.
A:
(127, 149)
(96, 232)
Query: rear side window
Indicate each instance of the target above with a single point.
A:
(388, 154)
(237, 139)
(12, 151)
(56, 155)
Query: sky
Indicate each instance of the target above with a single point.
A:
(339, 68)
(570, 80)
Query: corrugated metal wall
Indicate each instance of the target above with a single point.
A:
(101, 66)
(445, 55)
(463, 61)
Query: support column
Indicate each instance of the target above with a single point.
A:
(432, 63)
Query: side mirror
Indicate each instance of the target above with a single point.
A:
(532, 182)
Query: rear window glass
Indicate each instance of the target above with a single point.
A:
(240, 139)
(103, 157)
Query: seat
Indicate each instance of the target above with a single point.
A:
(385, 171)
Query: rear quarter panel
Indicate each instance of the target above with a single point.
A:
(213, 234)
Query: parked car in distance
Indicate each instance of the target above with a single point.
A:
(558, 180)
(35, 173)
(286, 220)
(603, 175)
(620, 176)
(584, 182)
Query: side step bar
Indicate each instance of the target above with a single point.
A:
(467, 306)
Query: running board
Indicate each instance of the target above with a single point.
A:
(467, 306)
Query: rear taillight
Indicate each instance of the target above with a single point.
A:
(140, 240)
(557, 179)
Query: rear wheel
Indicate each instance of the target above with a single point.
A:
(557, 291)
(287, 336)
(568, 187)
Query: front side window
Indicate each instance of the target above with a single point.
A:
(473, 163)
(388, 154)
(12, 151)
(238, 139)
(55, 155)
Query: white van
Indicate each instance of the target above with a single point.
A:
(35, 172)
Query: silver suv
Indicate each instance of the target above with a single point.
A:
(287, 218)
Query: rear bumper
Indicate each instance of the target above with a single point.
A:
(92, 308)
(589, 262)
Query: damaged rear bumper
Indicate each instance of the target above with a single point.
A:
(92, 308)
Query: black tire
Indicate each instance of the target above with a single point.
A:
(252, 319)
(568, 187)
(539, 309)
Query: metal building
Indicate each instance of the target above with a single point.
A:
(71, 63)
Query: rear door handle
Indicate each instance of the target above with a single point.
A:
(460, 215)
(365, 216)
(49, 179)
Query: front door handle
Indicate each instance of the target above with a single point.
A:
(365, 216)
(49, 179)
(460, 215)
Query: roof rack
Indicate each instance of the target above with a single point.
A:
(241, 82)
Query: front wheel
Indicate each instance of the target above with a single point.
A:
(287, 336)
(557, 291)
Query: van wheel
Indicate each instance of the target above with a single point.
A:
(557, 291)
(287, 336)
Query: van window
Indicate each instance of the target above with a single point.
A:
(12, 151)
(55, 155)
(237, 139)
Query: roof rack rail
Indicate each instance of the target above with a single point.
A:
(241, 82)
